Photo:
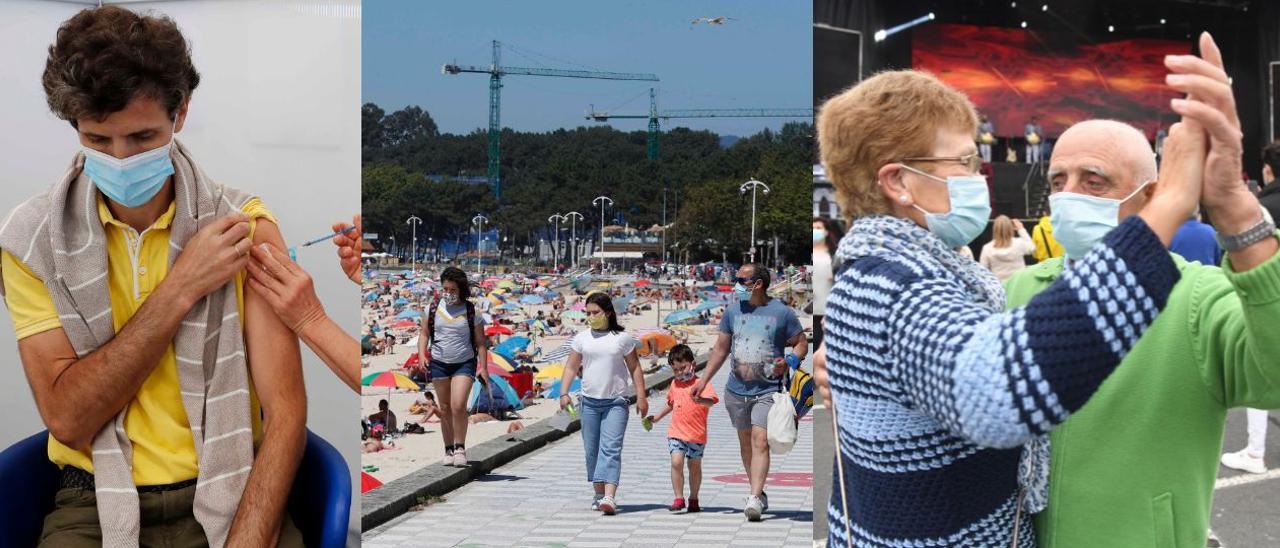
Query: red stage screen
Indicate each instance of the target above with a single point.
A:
(1010, 74)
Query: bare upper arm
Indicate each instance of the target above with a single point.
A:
(45, 356)
(271, 348)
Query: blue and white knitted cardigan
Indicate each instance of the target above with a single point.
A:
(941, 396)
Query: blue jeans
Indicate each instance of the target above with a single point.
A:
(604, 421)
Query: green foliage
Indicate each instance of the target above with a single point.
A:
(563, 170)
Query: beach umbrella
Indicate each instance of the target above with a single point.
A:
(404, 324)
(724, 288)
(580, 305)
(621, 304)
(496, 369)
(371, 296)
(506, 284)
(510, 347)
(401, 301)
(494, 299)
(368, 483)
(664, 340)
(642, 283)
(409, 314)
(540, 289)
(498, 383)
(501, 362)
(419, 290)
(509, 306)
(707, 306)
(497, 330)
(551, 372)
(389, 379)
(680, 316)
(532, 299)
(574, 315)
(554, 391)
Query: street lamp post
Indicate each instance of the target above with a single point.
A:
(603, 200)
(555, 253)
(479, 221)
(753, 185)
(573, 217)
(414, 221)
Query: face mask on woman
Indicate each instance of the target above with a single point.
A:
(451, 298)
(970, 209)
(819, 235)
(598, 322)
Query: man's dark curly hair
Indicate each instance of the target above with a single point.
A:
(105, 57)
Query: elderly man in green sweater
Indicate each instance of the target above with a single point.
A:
(1136, 465)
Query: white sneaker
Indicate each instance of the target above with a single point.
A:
(754, 508)
(447, 460)
(1242, 460)
(460, 458)
(764, 501)
(607, 506)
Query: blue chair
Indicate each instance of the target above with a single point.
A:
(320, 502)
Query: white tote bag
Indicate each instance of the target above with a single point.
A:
(782, 424)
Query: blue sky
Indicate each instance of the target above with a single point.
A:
(762, 59)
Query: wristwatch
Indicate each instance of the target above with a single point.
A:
(1261, 230)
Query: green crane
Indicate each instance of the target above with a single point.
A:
(655, 129)
(496, 71)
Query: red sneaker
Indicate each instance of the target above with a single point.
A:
(693, 506)
(677, 506)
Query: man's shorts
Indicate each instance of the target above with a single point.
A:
(692, 451)
(747, 411)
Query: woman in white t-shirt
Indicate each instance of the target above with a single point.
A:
(609, 364)
(1004, 254)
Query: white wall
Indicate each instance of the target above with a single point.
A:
(276, 113)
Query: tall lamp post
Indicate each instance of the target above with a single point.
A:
(555, 253)
(753, 185)
(573, 217)
(414, 221)
(603, 200)
(479, 221)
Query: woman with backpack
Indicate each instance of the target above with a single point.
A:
(459, 352)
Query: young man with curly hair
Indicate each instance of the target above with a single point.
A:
(173, 397)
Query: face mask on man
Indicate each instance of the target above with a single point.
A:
(970, 209)
(1081, 221)
(131, 181)
(741, 292)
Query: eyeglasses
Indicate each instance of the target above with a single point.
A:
(971, 162)
(744, 281)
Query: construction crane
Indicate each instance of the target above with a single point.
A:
(496, 71)
(655, 128)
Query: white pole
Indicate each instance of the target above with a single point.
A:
(413, 221)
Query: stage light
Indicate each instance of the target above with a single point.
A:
(1162, 21)
(1044, 7)
(880, 35)
(1024, 24)
(1013, 4)
(1111, 28)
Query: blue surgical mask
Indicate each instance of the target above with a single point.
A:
(131, 181)
(970, 209)
(1081, 221)
(741, 292)
(819, 235)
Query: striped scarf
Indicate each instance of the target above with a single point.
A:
(59, 237)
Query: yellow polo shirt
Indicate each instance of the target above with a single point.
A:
(156, 423)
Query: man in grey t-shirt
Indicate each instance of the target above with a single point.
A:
(755, 330)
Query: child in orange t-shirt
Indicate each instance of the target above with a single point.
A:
(687, 434)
